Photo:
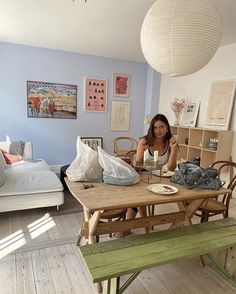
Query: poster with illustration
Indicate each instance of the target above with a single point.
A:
(95, 95)
(121, 85)
(51, 100)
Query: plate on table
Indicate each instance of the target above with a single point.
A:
(164, 174)
(162, 189)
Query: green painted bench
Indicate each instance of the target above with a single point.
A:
(108, 261)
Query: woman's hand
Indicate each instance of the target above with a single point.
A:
(172, 161)
(173, 144)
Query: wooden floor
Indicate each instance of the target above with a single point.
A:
(38, 255)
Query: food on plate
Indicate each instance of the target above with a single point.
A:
(163, 189)
(167, 188)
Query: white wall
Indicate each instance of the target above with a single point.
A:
(198, 85)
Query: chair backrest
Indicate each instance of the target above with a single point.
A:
(220, 165)
(124, 144)
(130, 157)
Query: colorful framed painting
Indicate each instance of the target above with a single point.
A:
(220, 104)
(93, 142)
(51, 100)
(95, 97)
(120, 116)
(190, 113)
(121, 86)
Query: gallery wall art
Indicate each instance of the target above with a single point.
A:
(95, 99)
(220, 104)
(190, 113)
(51, 100)
(93, 142)
(120, 116)
(121, 85)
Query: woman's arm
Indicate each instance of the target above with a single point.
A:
(172, 161)
(142, 146)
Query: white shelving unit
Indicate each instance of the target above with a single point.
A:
(194, 142)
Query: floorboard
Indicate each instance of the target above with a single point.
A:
(38, 255)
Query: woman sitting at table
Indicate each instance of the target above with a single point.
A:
(159, 139)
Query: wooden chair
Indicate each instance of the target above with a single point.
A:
(129, 157)
(219, 206)
(131, 144)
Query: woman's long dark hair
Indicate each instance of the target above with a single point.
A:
(151, 136)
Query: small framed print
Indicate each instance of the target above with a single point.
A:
(93, 142)
(95, 99)
(120, 115)
(191, 113)
(121, 85)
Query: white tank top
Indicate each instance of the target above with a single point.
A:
(162, 159)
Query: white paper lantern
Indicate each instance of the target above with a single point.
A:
(179, 37)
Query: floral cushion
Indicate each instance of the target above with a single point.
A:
(10, 158)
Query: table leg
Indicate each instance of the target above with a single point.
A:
(189, 212)
(91, 224)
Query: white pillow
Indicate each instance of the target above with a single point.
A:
(2, 169)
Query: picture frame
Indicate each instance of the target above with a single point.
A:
(120, 115)
(220, 104)
(51, 100)
(121, 85)
(191, 110)
(95, 94)
(93, 142)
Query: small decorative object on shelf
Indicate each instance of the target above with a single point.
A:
(196, 160)
(177, 106)
(213, 143)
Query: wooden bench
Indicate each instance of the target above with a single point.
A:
(108, 261)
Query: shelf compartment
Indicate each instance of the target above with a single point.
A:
(208, 134)
(208, 157)
(183, 134)
(196, 138)
(174, 131)
(193, 152)
(183, 153)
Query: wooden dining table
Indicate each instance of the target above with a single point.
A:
(104, 197)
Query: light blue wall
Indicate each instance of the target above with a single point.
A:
(54, 139)
(152, 94)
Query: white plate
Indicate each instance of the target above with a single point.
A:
(164, 174)
(162, 189)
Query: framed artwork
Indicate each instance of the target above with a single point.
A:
(95, 98)
(190, 113)
(121, 85)
(93, 142)
(120, 112)
(220, 104)
(51, 100)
